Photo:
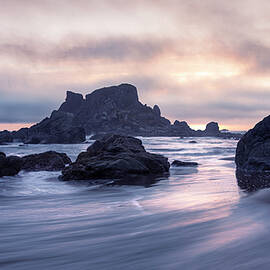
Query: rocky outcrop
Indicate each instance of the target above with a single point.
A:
(117, 109)
(116, 157)
(212, 129)
(47, 161)
(114, 109)
(73, 103)
(59, 128)
(178, 163)
(183, 129)
(253, 157)
(5, 137)
(9, 166)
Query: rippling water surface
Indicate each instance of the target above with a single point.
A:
(197, 218)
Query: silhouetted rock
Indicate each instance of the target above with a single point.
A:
(73, 103)
(157, 110)
(253, 157)
(47, 161)
(182, 129)
(114, 109)
(192, 142)
(116, 157)
(60, 128)
(5, 137)
(178, 163)
(9, 166)
(212, 129)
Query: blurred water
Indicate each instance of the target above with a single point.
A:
(197, 218)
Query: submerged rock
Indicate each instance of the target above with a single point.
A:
(9, 166)
(178, 163)
(47, 161)
(115, 157)
(253, 157)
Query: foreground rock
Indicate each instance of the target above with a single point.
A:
(253, 157)
(47, 161)
(9, 166)
(115, 157)
(178, 163)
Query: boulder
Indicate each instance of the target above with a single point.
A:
(178, 163)
(115, 157)
(9, 166)
(47, 161)
(253, 157)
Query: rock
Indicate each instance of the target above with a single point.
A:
(47, 161)
(253, 157)
(5, 137)
(9, 166)
(192, 142)
(228, 158)
(156, 110)
(115, 157)
(114, 109)
(212, 129)
(60, 128)
(182, 129)
(73, 103)
(178, 163)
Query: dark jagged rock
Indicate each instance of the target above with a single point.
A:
(9, 166)
(47, 161)
(115, 157)
(73, 103)
(178, 163)
(5, 137)
(253, 157)
(157, 110)
(118, 109)
(114, 109)
(183, 129)
(59, 128)
(212, 129)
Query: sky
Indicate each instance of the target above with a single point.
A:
(200, 61)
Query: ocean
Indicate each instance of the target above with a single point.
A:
(194, 218)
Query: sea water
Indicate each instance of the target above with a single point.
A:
(195, 218)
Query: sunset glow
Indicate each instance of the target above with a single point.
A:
(200, 63)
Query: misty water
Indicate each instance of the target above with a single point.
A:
(196, 218)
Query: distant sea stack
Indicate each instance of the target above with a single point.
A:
(114, 109)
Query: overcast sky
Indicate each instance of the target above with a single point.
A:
(198, 60)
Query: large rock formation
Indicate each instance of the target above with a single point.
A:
(253, 157)
(60, 127)
(47, 161)
(114, 109)
(5, 137)
(115, 157)
(9, 166)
